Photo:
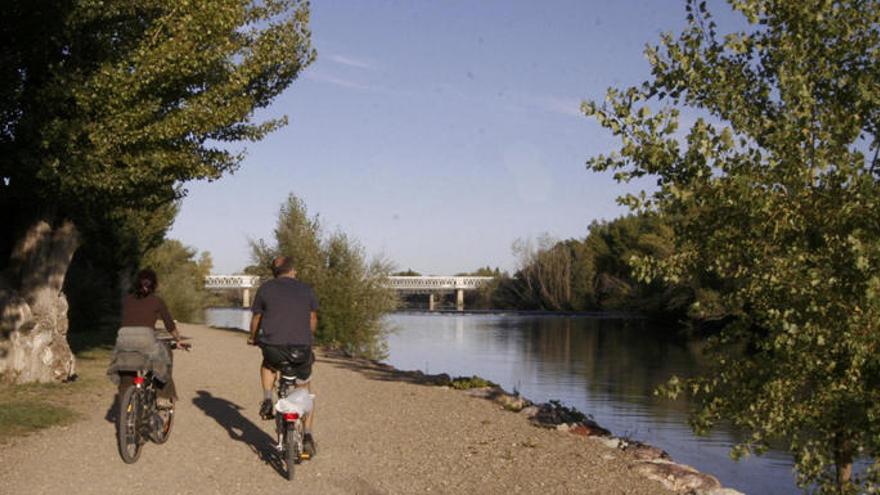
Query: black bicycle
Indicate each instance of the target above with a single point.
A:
(140, 417)
(289, 426)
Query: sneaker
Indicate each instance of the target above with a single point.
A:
(164, 403)
(310, 447)
(266, 409)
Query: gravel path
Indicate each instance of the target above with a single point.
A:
(376, 434)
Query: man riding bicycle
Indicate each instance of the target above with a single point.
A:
(285, 309)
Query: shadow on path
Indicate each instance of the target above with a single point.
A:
(380, 371)
(239, 428)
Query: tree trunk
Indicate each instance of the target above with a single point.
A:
(33, 328)
(843, 459)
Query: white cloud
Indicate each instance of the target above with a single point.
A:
(563, 106)
(560, 105)
(351, 62)
(336, 81)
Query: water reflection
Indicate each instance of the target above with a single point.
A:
(607, 368)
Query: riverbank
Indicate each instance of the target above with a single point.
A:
(379, 431)
(646, 460)
(606, 315)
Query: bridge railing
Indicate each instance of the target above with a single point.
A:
(428, 283)
(219, 282)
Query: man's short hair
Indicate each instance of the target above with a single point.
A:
(282, 265)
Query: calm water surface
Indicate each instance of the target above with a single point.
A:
(604, 367)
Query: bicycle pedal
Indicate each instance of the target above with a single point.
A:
(305, 456)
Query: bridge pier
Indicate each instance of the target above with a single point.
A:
(459, 299)
(430, 301)
(246, 298)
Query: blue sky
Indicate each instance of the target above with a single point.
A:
(438, 132)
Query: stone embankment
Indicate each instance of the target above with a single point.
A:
(648, 461)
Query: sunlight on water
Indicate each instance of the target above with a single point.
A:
(603, 367)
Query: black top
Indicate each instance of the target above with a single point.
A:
(286, 305)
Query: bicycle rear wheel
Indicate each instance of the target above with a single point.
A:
(292, 450)
(128, 425)
(160, 435)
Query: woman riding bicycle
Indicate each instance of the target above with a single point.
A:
(142, 308)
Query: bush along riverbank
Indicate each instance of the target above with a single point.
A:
(648, 461)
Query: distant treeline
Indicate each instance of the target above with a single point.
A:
(594, 273)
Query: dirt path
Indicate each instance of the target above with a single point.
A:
(375, 435)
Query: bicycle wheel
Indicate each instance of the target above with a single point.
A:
(128, 425)
(160, 435)
(293, 448)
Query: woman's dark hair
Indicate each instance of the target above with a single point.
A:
(145, 283)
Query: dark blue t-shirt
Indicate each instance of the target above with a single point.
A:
(286, 305)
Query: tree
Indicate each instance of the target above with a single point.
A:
(351, 292)
(407, 273)
(613, 246)
(105, 117)
(181, 278)
(545, 272)
(775, 198)
(103, 265)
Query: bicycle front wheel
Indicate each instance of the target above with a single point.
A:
(128, 425)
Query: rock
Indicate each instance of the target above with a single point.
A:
(511, 402)
(610, 442)
(563, 427)
(676, 477)
(719, 491)
(645, 452)
(483, 392)
(589, 429)
(529, 411)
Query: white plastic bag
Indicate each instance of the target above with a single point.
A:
(299, 401)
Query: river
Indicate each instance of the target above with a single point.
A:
(604, 367)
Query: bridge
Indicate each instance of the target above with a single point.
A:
(234, 282)
(433, 285)
(430, 285)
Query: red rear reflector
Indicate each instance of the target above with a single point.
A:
(291, 416)
(138, 380)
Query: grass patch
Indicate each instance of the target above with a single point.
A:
(27, 408)
(19, 418)
(469, 382)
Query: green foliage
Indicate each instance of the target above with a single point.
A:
(773, 201)
(103, 119)
(408, 273)
(101, 268)
(350, 290)
(469, 382)
(127, 99)
(594, 273)
(181, 279)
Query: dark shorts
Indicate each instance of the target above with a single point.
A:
(291, 360)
